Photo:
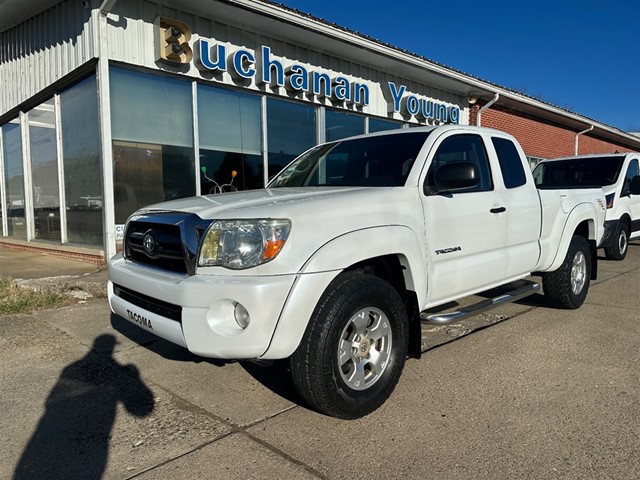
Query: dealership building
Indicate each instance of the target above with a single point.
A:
(107, 106)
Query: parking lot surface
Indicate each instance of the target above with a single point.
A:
(523, 391)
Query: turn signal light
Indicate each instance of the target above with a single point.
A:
(272, 248)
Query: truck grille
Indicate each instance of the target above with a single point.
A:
(165, 240)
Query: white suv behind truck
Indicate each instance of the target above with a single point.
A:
(335, 264)
(619, 177)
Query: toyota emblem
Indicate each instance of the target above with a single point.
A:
(149, 243)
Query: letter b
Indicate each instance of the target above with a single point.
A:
(172, 41)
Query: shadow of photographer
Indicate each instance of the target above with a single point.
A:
(71, 439)
(274, 375)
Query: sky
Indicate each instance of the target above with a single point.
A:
(581, 55)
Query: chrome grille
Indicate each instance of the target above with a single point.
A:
(166, 240)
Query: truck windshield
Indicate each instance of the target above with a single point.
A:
(578, 172)
(376, 161)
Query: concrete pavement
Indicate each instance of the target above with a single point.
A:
(543, 393)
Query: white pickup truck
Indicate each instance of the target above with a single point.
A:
(337, 261)
(618, 174)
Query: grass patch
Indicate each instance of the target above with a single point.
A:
(14, 299)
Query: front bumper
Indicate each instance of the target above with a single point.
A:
(197, 312)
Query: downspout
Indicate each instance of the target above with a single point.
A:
(484, 107)
(580, 133)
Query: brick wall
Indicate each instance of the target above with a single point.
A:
(58, 251)
(542, 139)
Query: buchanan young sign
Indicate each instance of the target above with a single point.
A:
(262, 67)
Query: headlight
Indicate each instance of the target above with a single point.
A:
(238, 244)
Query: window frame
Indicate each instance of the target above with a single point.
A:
(486, 172)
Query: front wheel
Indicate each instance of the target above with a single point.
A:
(618, 250)
(567, 287)
(353, 351)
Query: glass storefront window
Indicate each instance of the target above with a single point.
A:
(146, 173)
(377, 125)
(229, 142)
(82, 170)
(152, 129)
(342, 125)
(291, 130)
(14, 180)
(44, 171)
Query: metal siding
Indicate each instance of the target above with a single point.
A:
(43, 49)
(50, 45)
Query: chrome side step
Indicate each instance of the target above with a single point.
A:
(522, 289)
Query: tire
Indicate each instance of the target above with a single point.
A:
(567, 287)
(618, 250)
(353, 351)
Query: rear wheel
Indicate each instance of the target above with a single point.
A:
(619, 249)
(353, 351)
(567, 287)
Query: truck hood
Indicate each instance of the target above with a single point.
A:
(271, 203)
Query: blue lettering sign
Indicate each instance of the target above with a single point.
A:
(298, 77)
(321, 84)
(243, 62)
(267, 65)
(360, 94)
(454, 115)
(204, 56)
(441, 112)
(341, 89)
(427, 108)
(413, 105)
(268, 69)
(423, 109)
(396, 95)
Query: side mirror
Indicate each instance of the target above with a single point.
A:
(634, 186)
(453, 177)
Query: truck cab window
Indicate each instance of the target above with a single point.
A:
(510, 164)
(464, 148)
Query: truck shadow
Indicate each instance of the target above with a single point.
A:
(157, 345)
(276, 376)
(273, 375)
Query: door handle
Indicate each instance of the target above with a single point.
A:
(498, 210)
